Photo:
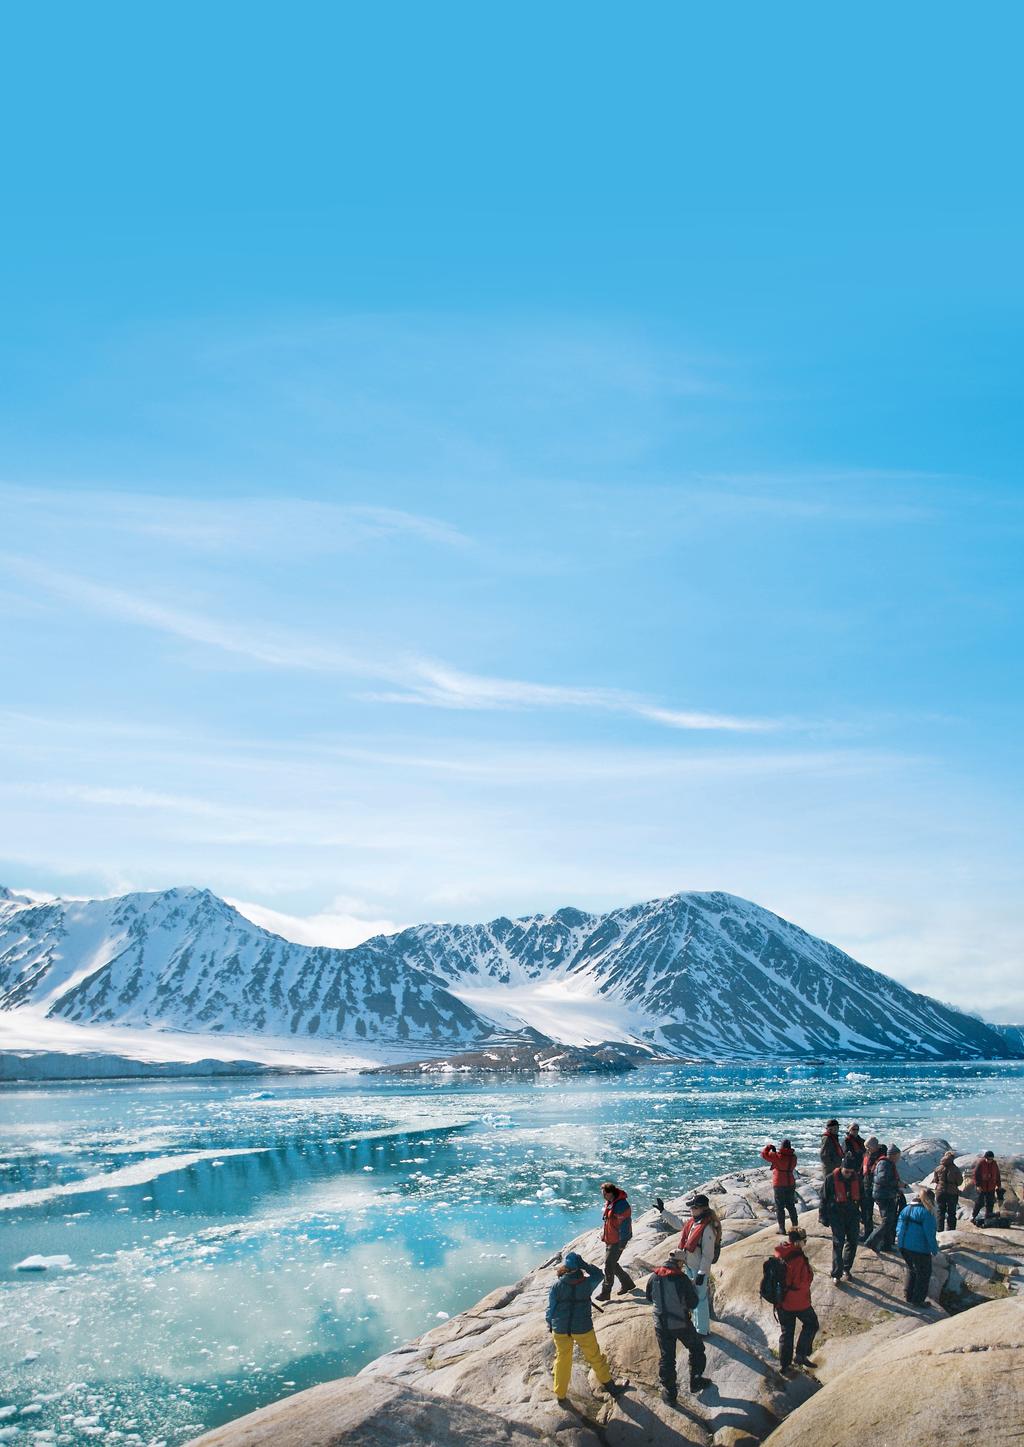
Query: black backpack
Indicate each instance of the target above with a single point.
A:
(773, 1281)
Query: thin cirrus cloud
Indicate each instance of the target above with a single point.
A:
(412, 680)
(241, 525)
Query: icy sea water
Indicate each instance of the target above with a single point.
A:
(309, 1223)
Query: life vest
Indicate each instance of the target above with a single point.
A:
(693, 1234)
(618, 1224)
(869, 1160)
(855, 1144)
(845, 1190)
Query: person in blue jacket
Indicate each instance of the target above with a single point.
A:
(571, 1323)
(916, 1239)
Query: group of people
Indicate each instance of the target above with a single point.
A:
(858, 1176)
(678, 1292)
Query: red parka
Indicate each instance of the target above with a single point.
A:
(799, 1275)
(986, 1175)
(782, 1162)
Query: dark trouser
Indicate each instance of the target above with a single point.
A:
(808, 1330)
(919, 1274)
(613, 1269)
(883, 1236)
(845, 1221)
(986, 1200)
(785, 1200)
(946, 1202)
(668, 1336)
(867, 1205)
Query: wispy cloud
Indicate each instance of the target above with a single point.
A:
(413, 680)
(281, 526)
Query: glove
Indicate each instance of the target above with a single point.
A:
(659, 1203)
(698, 1280)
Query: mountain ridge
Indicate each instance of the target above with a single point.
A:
(700, 974)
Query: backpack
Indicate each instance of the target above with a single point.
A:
(716, 1226)
(773, 1281)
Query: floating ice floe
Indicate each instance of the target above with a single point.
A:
(44, 1263)
(856, 1075)
(441, 1315)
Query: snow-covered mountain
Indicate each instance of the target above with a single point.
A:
(700, 975)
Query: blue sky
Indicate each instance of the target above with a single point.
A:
(457, 463)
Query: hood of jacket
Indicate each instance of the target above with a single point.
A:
(786, 1249)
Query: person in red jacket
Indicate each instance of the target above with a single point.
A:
(783, 1164)
(987, 1181)
(616, 1232)
(795, 1305)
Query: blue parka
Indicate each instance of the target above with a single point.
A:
(569, 1306)
(915, 1230)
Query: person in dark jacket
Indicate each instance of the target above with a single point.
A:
(868, 1161)
(948, 1178)
(795, 1305)
(855, 1145)
(616, 1232)
(840, 1210)
(671, 1292)
(831, 1152)
(886, 1184)
(571, 1323)
(987, 1181)
(783, 1164)
(915, 1237)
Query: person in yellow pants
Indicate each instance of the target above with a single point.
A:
(571, 1322)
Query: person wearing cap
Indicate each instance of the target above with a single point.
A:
(570, 1321)
(699, 1236)
(831, 1152)
(672, 1294)
(840, 1210)
(948, 1178)
(886, 1185)
(872, 1151)
(988, 1182)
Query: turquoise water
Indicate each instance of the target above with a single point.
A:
(353, 1212)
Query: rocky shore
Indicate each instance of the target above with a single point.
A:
(885, 1372)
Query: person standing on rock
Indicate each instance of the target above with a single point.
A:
(840, 1210)
(795, 1305)
(855, 1145)
(671, 1292)
(868, 1161)
(915, 1237)
(783, 1164)
(570, 1321)
(700, 1240)
(831, 1152)
(987, 1181)
(616, 1232)
(948, 1178)
(886, 1184)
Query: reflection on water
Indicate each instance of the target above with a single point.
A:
(354, 1212)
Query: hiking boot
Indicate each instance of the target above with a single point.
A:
(806, 1362)
(697, 1384)
(669, 1396)
(605, 1294)
(849, 1276)
(615, 1389)
(627, 1287)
